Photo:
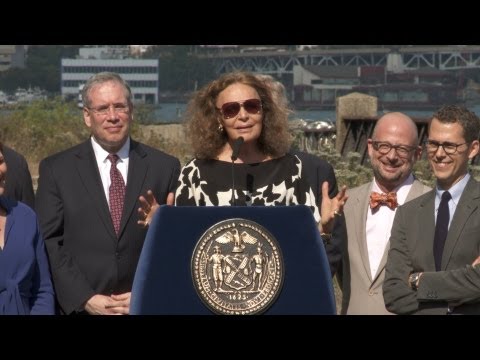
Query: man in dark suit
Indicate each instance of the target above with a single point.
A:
(432, 265)
(317, 171)
(87, 199)
(19, 181)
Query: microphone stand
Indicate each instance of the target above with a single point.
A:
(236, 149)
(233, 181)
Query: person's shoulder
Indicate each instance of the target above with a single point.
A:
(12, 155)
(192, 162)
(419, 200)
(18, 208)
(420, 185)
(358, 189)
(311, 159)
(472, 182)
(65, 154)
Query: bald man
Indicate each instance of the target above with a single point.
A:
(369, 212)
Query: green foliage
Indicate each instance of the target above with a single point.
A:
(14, 78)
(180, 69)
(423, 172)
(43, 128)
(42, 68)
(178, 148)
(347, 170)
(475, 171)
(144, 114)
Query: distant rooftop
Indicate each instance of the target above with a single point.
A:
(105, 52)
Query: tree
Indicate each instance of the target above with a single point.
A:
(180, 69)
(42, 68)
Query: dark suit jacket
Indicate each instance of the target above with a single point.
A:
(317, 171)
(85, 254)
(19, 181)
(411, 250)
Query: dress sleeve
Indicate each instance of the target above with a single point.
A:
(42, 301)
(303, 191)
(185, 193)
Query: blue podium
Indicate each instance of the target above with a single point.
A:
(163, 282)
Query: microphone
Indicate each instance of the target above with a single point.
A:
(236, 147)
(235, 150)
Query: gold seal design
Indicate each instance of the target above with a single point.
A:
(237, 268)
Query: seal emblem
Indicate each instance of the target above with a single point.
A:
(237, 268)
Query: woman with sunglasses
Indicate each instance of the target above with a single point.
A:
(238, 105)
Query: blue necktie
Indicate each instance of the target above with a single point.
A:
(441, 229)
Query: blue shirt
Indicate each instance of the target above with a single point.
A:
(456, 191)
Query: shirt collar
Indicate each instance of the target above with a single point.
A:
(456, 190)
(401, 190)
(101, 153)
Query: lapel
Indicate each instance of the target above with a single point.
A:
(415, 191)
(362, 203)
(137, 171)
(467, 204)
(90, 176)
(425, 232)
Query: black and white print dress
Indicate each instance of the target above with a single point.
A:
(274, 182)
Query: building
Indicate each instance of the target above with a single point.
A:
(141, 74)
(317, 87)
(12, 56)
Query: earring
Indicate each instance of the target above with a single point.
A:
(220, 127)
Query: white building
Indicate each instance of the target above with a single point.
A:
(140, 74)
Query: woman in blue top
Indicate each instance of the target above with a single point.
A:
(25, 282)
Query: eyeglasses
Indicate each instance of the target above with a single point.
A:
(105, 109)
(448, 147)
(231, 109)
(385, 147)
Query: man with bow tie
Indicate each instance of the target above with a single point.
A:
(393, 150)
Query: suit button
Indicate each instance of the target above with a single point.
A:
(371, 293)
(117, 255)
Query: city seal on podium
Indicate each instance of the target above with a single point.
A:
(237, 268)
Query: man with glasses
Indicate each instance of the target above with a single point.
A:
(435, 243)
(87, 200)
(370, 210)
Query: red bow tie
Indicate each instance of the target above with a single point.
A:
(389, 199)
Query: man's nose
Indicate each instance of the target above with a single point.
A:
(392, 154)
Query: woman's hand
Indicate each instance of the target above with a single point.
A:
(331, 208)
(149, 206)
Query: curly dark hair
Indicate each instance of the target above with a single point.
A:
(466, 118)
(202, 118)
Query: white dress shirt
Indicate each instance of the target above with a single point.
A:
(104, 164)
(379, 224)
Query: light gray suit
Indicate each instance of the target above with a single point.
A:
(361, 293)
(412, 251)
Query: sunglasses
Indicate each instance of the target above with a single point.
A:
(231, 109)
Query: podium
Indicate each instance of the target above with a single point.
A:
(163, 282)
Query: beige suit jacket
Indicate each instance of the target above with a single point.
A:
(363, 295)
